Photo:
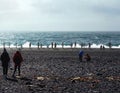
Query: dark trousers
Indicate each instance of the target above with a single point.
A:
(15, 68)
(80, 58)
(5, 70)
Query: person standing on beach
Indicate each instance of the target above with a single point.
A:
(110, 45)
(89, 44)
(75, 44)
(52, 44)
(30, 45)
(38, 45)
(5, 61)
(55, 44)
(62, 44)
(71, 45)
(17, 59)
(81, 56)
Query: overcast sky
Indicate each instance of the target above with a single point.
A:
(59, 15)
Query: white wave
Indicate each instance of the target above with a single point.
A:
(98, 46)
(27, 45)
(116, 46)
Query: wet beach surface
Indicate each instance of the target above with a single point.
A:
(60, 71)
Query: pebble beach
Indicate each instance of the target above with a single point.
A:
(60, 71)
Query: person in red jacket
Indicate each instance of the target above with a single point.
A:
(17, 59)
(87, 57)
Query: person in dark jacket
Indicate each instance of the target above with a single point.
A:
(17, 59)
(5, 59)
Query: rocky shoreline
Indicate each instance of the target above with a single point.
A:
(60, 71)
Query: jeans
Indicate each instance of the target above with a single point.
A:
(5, 70)
(15, 68)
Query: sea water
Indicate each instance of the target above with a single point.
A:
(96, 39)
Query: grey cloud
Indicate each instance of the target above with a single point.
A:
(59, 14)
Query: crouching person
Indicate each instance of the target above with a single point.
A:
(17, 59)
(87, 57)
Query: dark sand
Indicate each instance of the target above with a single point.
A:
(59, 71)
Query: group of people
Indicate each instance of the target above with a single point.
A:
(86, 56)
(102, 47)
(5, 59)
(17, 59)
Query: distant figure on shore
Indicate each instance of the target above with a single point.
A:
(89, 45)
(38, 44)
(21, 46)
(47, 46)
(62, 44)
(16, 44)
(5, 59)
(81, 56)
(71, 45)
(75, 44)
(102, 47)
(110, 45)
(52, 44)
(82, 45)
(29, 45)
(3, 44)
(87, 57)
(9, 44)
(17, 59)
(55, 45)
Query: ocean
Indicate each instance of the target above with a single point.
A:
(13, 39)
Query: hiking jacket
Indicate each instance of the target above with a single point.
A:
(17, 58)
(5, 58)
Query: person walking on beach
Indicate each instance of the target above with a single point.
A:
(81, 56)
(5, 59)
(17, 59)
